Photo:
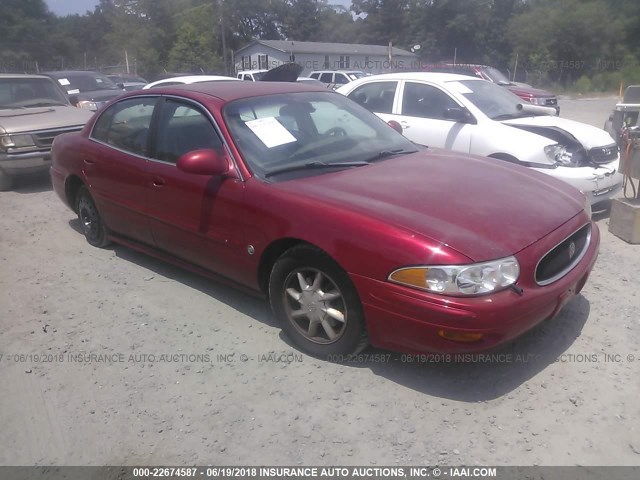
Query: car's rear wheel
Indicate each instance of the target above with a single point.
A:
(93, 227)
(316, 303)
(5, 182)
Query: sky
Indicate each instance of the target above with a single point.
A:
(70, 7)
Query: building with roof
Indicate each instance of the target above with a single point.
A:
(267, 54)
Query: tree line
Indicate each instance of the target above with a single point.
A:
(588, 43)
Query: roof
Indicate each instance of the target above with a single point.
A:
(21, 75)
(190, 79)
(66, 73)
(425, 76)
(228, 91)
(323, 48)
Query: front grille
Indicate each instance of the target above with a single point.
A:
(44, 138)
(604, 154)
(551, 102)
(562, 258)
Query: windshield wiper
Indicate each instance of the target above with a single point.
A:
(390, 153)
(315, 165)
(44, 104)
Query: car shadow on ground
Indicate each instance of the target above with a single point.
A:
(477, 378)
(490, 375)
(32, 183)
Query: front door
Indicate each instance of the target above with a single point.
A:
(423, 120)
(196, 218)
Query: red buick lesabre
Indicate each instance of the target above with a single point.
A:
(354, 234)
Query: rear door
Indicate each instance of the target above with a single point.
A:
(378, 97)
(196, 218)
(116, 166)
(422, 110)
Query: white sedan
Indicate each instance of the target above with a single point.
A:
(474, 116)
(187, 79)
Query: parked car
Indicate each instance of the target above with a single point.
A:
(625, 113)
(473, 116)
(311, 81)
(352, 232)
(127, 82)
(251, 75)
(335, 78)
(122, 78)
(86, 89)
(186, 80)
(33, 110)
(526, 92)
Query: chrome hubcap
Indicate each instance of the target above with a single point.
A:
(315, 306)
(88, 217)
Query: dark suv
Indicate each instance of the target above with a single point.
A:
(532, 95)
(86, 89)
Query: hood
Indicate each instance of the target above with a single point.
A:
(482, 208)
(588, 135)
(287, 72)
(524, 91)
(42, 118)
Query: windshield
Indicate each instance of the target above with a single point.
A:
(496, 76)
(80, 83)
(258, 75)
(29, 92)
(355, 75)
(292, 131)
(494, 101)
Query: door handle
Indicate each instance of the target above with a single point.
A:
(158, 182)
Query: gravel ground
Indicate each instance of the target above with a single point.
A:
(111, 357)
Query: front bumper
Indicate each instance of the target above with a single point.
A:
(597, 184)
(25, 163)
(408, 320)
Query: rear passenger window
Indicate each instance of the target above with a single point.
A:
(376, 97)
(125, 125)
(315, 75)
(183, 128)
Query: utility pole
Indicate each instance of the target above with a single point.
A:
(224, 37)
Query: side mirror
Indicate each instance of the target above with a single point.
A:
(395, 125)
(204, 162)
(74, 100)
(120, 85)
(458, 115)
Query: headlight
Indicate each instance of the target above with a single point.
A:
(563, 156)
(473, 279)
(16, 141)
(539, 101)
(93, 106)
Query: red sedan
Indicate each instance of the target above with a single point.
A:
(353, 233)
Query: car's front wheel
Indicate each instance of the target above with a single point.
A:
(93, 227)
(316, 303)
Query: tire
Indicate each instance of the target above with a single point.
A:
(5, 182)
(316, 303)
(93, 228)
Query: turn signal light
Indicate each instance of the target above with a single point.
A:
(460, 336)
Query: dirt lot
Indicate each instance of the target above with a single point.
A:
(84, 381)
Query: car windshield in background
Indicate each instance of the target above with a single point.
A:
(494, 101)
(309, 132)
(86, 83)
(496, 76)
(29, 92)
(355, 75)
(258, 75)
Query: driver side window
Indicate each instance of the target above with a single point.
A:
(183, 128)
(426, 101)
